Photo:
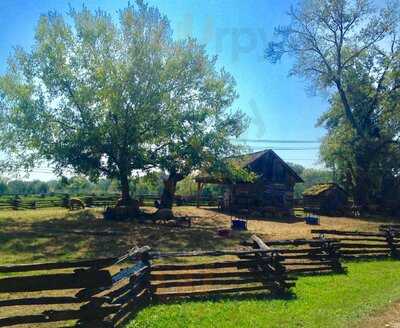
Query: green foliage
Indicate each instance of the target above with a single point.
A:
(311, 177)
(151, 183)
(332, 301)
(188, 187)
(370, 165)
(3, 187)
(351, 49)
(106, 97)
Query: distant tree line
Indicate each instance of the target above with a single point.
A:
(149, 184)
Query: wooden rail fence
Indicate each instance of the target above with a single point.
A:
(20, 202)
(83, 291)
(364, 245)
(94, 293)
(107, 292)
(303, 256)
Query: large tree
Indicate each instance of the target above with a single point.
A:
(94, 95)
(196, 131)
(330, 40)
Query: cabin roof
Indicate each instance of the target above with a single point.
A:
(244, 161)
(320, 188)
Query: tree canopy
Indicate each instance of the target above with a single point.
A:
(107, 97)
(351, 49)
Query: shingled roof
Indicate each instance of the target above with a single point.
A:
(245, 161)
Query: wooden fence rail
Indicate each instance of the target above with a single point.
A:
(93, 293)
(91, 296)
(22, 203)
(305, 256)
(364, 245)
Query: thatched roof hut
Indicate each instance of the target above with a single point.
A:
(325, 198)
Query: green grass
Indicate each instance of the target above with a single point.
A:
(320, 301)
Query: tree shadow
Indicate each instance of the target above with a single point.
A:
(82, 235)
(215, 298)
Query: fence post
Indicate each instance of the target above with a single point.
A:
(145, 258)
(275, 269)
(330, 248)
(389, 235)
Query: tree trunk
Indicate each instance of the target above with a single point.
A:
(168, 194)
(347, 110)
(126, 197)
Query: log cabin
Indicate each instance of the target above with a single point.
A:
(270, 193)
(325, 198)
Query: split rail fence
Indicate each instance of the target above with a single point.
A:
(95, 294)
(364, 245)
(303, 256)
(108, 292)
(20, 202)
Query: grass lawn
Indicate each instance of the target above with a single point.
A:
(319, 301)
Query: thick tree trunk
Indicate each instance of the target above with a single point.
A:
(126, 197)
(347, 110)
(168, 194)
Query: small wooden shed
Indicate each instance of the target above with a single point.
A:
(272, 191)
(325, 198)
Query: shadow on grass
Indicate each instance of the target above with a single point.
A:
(80, 235)
(259, 296)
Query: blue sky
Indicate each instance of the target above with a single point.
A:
(235, 30)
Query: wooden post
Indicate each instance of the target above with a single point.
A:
(390, 234)
(276, 268)
(331, 250)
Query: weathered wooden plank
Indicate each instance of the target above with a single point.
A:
(130, 271)
(348, 233)
(365, 257)
(116, 279)
(362, 239)
(363, 246)
(202, 275)
(319, 263)
(210, 291)
(88, 279)
(260, 243)
(97, 263)
(156, 255)
(211, 265)
(62, 315)
(364, 251)
(308, 257)
(294, 242)
(207, 282)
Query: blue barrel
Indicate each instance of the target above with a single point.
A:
(313, 220)
(239, 224)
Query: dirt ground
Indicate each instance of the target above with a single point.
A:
(44, 235)
(390, 318)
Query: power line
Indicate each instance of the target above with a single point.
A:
(279, 141)
(287, 148)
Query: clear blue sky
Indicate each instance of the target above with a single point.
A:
(235, 30)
